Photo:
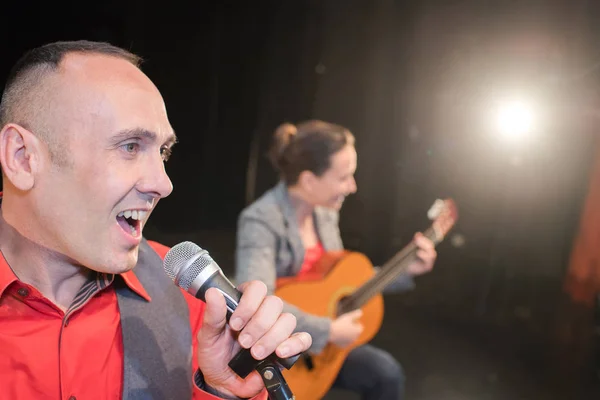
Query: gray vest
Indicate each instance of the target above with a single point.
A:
(157, 338)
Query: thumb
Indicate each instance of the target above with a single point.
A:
(215, 315)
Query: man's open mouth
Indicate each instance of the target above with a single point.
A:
(131, 221)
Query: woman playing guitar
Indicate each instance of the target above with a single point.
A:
(287, 230)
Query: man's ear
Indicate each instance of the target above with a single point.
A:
(21, 156)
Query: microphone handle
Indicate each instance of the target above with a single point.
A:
(222, 284)
(232, 299)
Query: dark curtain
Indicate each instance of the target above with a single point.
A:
(412, 80)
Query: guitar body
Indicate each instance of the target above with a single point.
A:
(346, 274)
(338, 275)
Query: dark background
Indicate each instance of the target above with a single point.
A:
(414, 81)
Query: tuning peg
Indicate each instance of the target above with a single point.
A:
(435, 209)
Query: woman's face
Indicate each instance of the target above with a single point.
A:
(331, 188)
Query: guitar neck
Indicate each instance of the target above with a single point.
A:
(391, 270)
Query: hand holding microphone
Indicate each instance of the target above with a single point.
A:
(258, 318)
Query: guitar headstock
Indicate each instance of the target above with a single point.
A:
(444, 214)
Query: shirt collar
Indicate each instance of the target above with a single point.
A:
(7, 277)
(134, 284)
(6, 274)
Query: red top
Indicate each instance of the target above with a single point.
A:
(77, 354)
(311, 256)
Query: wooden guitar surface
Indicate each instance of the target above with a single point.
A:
(341, 273)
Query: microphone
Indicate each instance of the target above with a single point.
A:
(194, 270)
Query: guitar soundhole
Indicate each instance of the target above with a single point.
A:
(344, 305)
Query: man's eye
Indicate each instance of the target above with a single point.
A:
(131, 147)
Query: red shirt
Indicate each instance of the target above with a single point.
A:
(311, 256)
(78, 354)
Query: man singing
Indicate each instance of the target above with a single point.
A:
(83, 140)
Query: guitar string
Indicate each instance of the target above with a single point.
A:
(388, 272)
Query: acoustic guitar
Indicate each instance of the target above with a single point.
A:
(344, 281)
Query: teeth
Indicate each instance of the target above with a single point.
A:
(135, 214)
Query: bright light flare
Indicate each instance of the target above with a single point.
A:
(514, 119)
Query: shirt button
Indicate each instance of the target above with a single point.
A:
(23, 292)
(72, 398)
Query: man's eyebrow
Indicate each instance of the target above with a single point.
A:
(142, 134)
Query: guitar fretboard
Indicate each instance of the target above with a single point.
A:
(391, 270)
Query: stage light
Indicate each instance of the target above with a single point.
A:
(514, 120)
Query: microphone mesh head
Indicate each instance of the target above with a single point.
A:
(177, 263)
(188, 276)
(178, 256)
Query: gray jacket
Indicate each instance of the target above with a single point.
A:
(269, 246)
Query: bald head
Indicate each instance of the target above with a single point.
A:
(33, 88)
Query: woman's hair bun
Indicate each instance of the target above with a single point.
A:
(281, 139)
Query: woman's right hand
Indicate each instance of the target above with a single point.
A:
(345, 329)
